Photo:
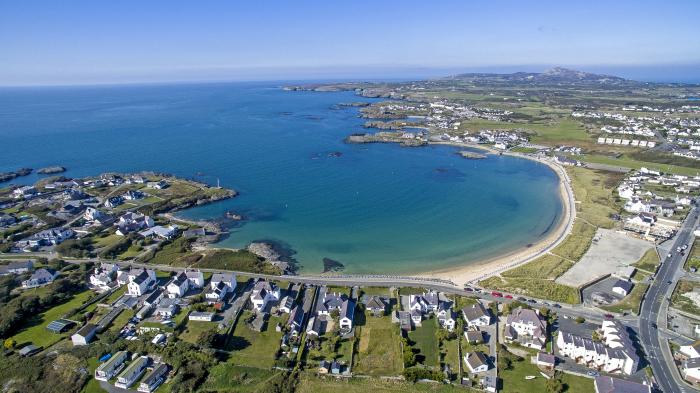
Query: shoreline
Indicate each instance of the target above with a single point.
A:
(479, 270)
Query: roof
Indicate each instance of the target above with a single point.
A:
(692, 363)
(546, 358)
(157, 372)
(29, 349)
(375, 303)
(476, 359)
(626, 285)
(475, 311)
(614, 385)
(59, 325)
(86, 330)
(347, 310)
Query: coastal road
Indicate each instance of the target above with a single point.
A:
(655, 306)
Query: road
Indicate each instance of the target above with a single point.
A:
(655, 306)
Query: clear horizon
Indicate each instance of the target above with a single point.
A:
(84, 43)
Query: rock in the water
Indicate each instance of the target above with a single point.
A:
(51, 170)
(331, 265)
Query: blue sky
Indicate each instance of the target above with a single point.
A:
(66, 42)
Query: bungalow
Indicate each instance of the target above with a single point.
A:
(84, 335)
(527, 327)
(376, 305)
(476, 362)
(111, 367)
(263, 293)
(157, 185)
(40, 278)
(132, 373)
(201, 316)
(347, 315)
(474, 336)
(113, 202)
(20, 267)
(167, 233)
(133, 195)
(622, 287)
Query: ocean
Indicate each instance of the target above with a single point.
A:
(376, 208)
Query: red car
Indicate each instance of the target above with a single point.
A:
(496, 294)
(509, 297)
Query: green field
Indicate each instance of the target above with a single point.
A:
(426, 342)
(514, 380)
(378, 349)
(194, 329)
(650, 261)
(254, 349)
(311, 384)
(35, 328)
(225, 377)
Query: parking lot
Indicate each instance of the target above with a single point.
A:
(601, 293)
(609, 251)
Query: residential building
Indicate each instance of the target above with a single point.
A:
(20, 267)
(476, 362)
(691, 370)
(219, 285)
(167, 307)
(614, 385)
(347, 315)
(201, 316)
(178, 286)
(104, 275)
(527, 327)
(40, 277)
(622, 287)
(263, 293)
(690, 351)
(167, 233)
(476, 315)
(140, 281)
(615, 354)
(376, 305)
(49, 237)
(445, 316)
(111, 367)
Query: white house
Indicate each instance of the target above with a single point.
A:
(690, 351)
(140, 281)
(263, 293)
(691, 370)
(476, 315)
(40, 277)
(347, 315)
(622, 287)
(476, 362)
(615, 354)
(178, 286)
(425, 303)
(219, 285)
(527, 327)
(446, 316)
(103, 276)
(84, 335)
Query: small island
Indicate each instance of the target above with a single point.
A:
(51, 170)
(471, 155)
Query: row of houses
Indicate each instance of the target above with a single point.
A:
(614, 353)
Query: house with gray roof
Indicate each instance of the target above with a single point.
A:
(604, 384)
(40, 277)
(527, 327)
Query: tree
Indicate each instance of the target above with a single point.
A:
(554, 385)
(9, 343)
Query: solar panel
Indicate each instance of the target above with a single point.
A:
(59, 325)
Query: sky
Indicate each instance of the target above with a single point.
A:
(86, 42)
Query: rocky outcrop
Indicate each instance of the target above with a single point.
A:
(51, 170)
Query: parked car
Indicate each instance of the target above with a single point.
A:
(509, 297)
(609, 316)
(593, 373)
(496, 294)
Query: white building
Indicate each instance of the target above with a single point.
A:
(140, 281)
(476, 362)
(39, 278)
(476, 315)
(527, 327)
(614, 354)
(263, 293)
(132, 373)
(111, 367)
(220, 285)
(103, 276)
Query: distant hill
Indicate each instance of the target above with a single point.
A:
(552, 76)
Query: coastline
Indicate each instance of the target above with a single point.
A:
(476, 271)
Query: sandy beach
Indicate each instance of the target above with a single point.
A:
(476, 271)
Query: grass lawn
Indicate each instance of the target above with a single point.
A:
(115, 295)
(254, 349)
(92, 385)
(694, 256)
(577, 243)
(450, 349)
(631, 302)
(684, 303)
(121, 320)
(545, 289)
(225, 377)
(379, 348)
(108, 240)
(628, 162)
(381, 291)
(593, 191)
(514, 380)
(35, 329)
(425, 341)
(193, 329)
(312, 384)
(650, 261)
(545, 267)
(133, 251)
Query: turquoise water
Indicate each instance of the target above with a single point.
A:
(375, 208)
